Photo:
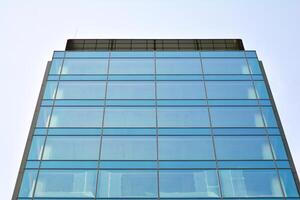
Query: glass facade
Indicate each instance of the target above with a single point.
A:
(157, 125)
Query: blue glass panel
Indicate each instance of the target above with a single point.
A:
(129, 131)
(177, 54)
(283, 164)
(254, 65)
(230, 90)
(131, 90)
(127, 183)
(278, 147)
(261, 89)
(44, 117)
(77, 77)
(273, 131)
(85, 66)
(128, 164)
(250, 54)
(50, 90)
(131, 77)
(186, 102)
(84, 102)
(188, 183)
(74, 131)
(228, 77)
(257, 77)
(87, 54)
(243, 148)
(182, 117)
(180, 77)
(250, 183)
(47, 102)
(246, 164)
(40, 131)
(220, 54)
(49, 164)
(131, 66)
(56, 66)
(130, 117)
(72, 148)
(187, 164)
(185, 148)
(269, 117)
(233, 102)
(125, 102)
(32, 164)
(66, 183)
(265, 102)
(53, 77)
(288, 183)
(184, 131)
(128, 148)
(81, 90)
(236, 117)
(184, 90)
(133, 54)
(36, 148)
(76, 117)
(225, 66)
(239, 131)
(178, 66)
(58, 54)
(27, 185)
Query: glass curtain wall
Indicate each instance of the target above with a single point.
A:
(157, 125)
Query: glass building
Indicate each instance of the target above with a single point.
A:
(156, 119)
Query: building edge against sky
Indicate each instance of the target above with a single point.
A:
(128, 45)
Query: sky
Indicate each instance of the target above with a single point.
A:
(31, 30)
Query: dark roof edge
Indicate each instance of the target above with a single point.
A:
(153, 44)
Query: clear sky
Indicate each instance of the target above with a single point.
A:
(31, 30)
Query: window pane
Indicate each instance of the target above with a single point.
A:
(50, 90)
(230, 90)
(66, 183)
(131, 66)
(72, 148)
(185, 148)
(28, 182)
(76, 117)
(129, 117)
(80, 90)
(261, 90)
(44, 117)
(278, 147)
(128, 148)
(269, 116)
(85, 66)
(131, 90)
(184, 90)
(188, 183)
(288, 183)
(127, 183)
(183, 117)
(242, 147)
(225, 66)
(178, 66)
(250, 183)
(254, 65)
(236, 117)
(36, 148)
(56, 66)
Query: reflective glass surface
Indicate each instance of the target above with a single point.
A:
(127, 183)
(188, 183)
(156, 125)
